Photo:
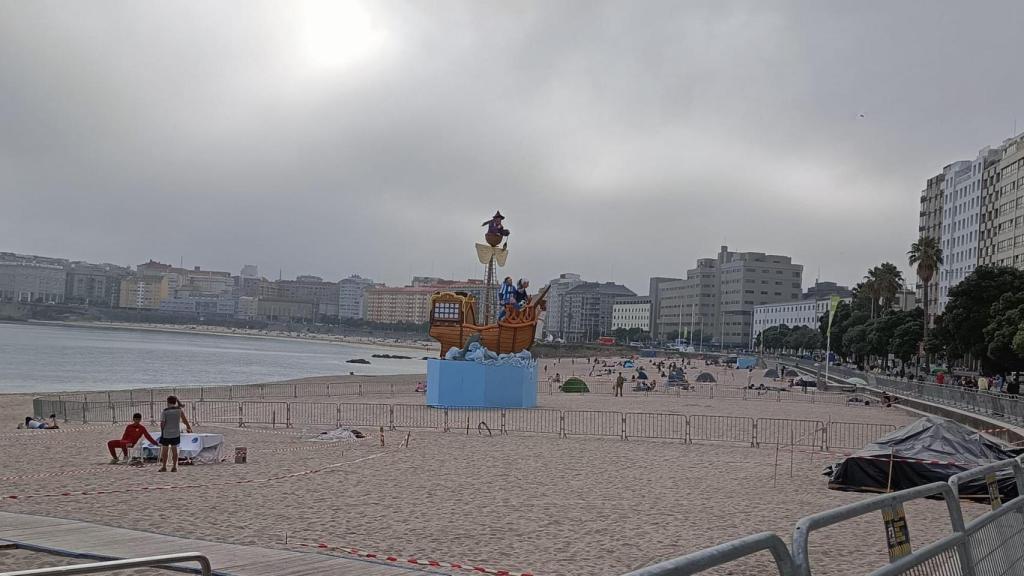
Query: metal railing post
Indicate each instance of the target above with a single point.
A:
(241, 420)
(288, 415)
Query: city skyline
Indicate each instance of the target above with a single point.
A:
(621, 146)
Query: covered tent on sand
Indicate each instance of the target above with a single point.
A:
(930, 449)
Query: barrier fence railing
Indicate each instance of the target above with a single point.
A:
(698, 390)
(1008, 407)
(992, 544)
(625, 425)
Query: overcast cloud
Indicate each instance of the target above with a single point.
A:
(622, 140)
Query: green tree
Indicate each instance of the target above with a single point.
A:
(1007, 316)
(856, 343)
(883, 283)
(926, 255)
(969, 310)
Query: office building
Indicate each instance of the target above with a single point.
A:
(823, 290)
(806, 313)
(323, 295)
(25, 278)
(145, 292)
(285, 310)
(352, 297)
(556, 290)
(94, 284)
(585, 310)
(409, 304)
(718, 296)
(629, 313)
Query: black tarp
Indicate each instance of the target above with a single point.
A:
(931, 449)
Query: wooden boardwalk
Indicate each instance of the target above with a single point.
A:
(104, 542)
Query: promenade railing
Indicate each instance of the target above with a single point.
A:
(991, 544)
(999, 406)
(688, 428)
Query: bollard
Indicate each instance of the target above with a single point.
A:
(241, 420)
(288, 415)
(381, 436)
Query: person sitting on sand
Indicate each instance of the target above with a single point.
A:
(132, 433)
(171, 420)
(34, 423)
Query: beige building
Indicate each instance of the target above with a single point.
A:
(1004, 216)
(718, 296)
(284, 310)
(145, 292)
(930, 224)
(393, 305)
(630, 313)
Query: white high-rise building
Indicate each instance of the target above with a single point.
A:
(961, 221)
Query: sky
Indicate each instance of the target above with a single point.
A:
(621, 140)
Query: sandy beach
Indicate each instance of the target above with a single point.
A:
(579, 505)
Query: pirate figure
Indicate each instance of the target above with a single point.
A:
(495, 229)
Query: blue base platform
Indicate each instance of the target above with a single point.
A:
(471, 384)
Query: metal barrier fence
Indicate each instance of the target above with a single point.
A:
(992, 544)
(702, 391)
(1006, 407)
(668, 426)
(854, 435)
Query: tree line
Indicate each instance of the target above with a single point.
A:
(981, 326)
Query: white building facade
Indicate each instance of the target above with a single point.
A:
(798, 313)
(630, 313)
(352, 297)
(961, 223)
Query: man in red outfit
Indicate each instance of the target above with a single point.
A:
(132, 433)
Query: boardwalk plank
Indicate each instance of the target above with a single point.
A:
(108, 541)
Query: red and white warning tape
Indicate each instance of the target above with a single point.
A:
(180, 486)
(66, 473)
(416, 561)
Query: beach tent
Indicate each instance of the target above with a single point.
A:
(627, 364)
(771, 373)
(706, 377)
(677, 375)
(790, 373)
(857, 381)
(928, 450)
(641, 375)
(574, 384)
(805, 381)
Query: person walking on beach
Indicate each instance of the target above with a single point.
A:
(132, 433)
(171, 420)
(618, 384)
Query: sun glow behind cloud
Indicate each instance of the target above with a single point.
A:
(335, 35)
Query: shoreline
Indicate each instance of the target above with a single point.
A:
(418, 345)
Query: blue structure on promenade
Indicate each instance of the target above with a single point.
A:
(481, 384)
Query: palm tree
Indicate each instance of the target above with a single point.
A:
(926, 254)
(882, 283)
(890, 282)
(870, 286)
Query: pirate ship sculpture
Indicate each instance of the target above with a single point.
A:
(453, 315)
